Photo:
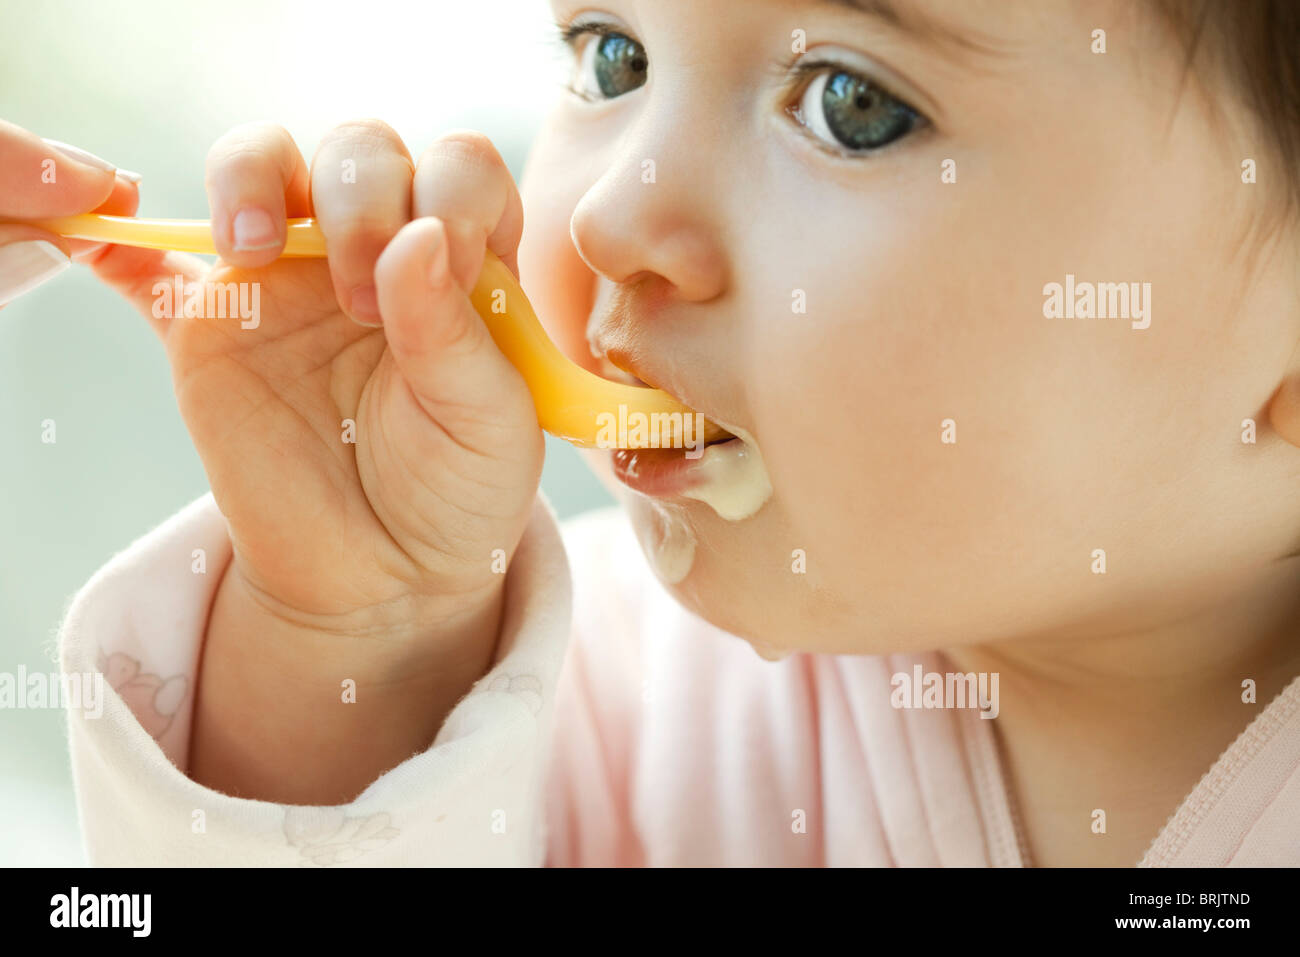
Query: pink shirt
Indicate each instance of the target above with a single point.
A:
(614, 728)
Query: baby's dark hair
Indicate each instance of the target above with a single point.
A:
(1254, 44)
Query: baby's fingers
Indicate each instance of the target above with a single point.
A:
(463, 178)
(441, 346)
(361, 192)
(256, 179)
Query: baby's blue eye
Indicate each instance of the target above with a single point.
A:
(609, 64)
(849, 111)
(621, 65)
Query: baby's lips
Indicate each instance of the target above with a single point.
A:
(572, 402)
(623, 368)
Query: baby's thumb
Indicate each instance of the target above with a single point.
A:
(440, 343)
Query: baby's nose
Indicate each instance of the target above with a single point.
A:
(647, 217)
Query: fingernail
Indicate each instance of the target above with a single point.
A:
(90, 251)
(364, 306)
(80, 155)
(254, 229)
(129, 176)
(25, 265)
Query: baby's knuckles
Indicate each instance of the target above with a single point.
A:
(364, 137)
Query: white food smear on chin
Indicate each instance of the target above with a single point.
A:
(735, 485)
(670, 545)
(769, 652)
(735, 482)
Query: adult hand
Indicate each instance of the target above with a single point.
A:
(40, 178)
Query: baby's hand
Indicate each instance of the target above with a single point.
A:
(368, 472)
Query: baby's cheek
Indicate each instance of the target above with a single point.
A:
(823, 429)
(558, 283)
(885, 438)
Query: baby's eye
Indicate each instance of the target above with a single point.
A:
(609, 64)
(851, 112)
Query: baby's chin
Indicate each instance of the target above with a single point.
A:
(667, 528)
(709, 567)
(746, 578)
(733, 572)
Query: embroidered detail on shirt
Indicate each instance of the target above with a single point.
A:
(327, 836)
(155, 701)
(527, 687)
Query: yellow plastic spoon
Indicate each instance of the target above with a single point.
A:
(572, 403)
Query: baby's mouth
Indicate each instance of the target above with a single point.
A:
(716, 433)
(612, 311)
(727, 474)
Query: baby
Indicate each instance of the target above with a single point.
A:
(1000, 302)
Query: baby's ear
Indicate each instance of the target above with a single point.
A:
(1284, 410)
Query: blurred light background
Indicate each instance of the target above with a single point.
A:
(149, 84)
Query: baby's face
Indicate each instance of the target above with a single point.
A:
(834, 230)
